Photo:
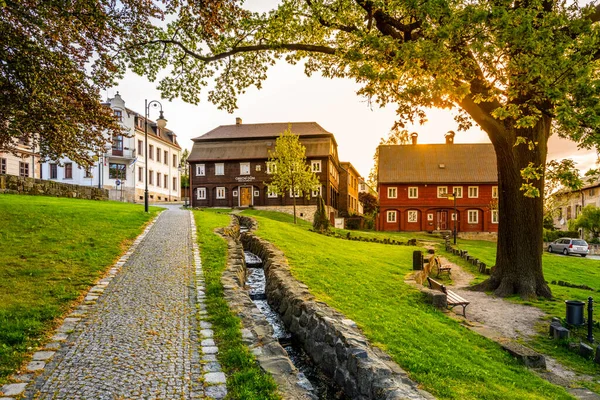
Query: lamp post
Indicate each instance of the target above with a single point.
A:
(453, 197)
(161, 122)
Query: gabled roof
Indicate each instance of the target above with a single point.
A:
(268, 130)
(166, 135)
(438, 163)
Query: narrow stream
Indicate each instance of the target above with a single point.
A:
(314, 379)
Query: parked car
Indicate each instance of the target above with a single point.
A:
(569, 246)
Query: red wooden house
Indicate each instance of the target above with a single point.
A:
(415, 182)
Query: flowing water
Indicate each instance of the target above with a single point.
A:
(310, 375)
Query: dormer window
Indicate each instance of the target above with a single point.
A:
(119, 115)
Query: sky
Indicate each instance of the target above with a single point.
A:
(288, 95)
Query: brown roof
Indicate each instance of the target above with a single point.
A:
(438, 163)
(165, 134)
(347, 166)
(252, 149)
(268, 130)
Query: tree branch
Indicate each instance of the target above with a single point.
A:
(327, 24)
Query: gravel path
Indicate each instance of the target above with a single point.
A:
(144, 337)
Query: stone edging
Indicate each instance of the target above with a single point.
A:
(71, 323)
(257, 333)
(332, 341)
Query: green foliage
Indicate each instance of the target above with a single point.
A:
(245, 379)
(552, 235)
(291, 173)
(321, 221)
(53, 249)
(444, 357)
(369, 202)
(589, 220)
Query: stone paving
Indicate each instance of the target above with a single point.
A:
(140, 332)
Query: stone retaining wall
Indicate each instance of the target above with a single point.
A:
(305, 212)
(257, 333)
(39, 187)
(331, 340)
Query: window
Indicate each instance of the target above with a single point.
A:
(442, 191)
(296, 193)
(391, 216)
(473, 216)
(413, 192)
(429, 217)
(166, 157)
(158, 152)
(494, 216)
(175, 183)
(158, 174)
(119, 115)
(412, 216)
(2, 165)
(219, 169)
(151, 152)
(53, 171)
(256, 193)
(315, 165)
(166, 180)
(453, 217)
(234, 193)
(392, 193)
(117, 143)
(257, 168)
(568, 213)
(115, 171)
(23, 169)
(495, 192)
(88, 172)
(457, 190)
(69, 170)
(473, 192)
(272, 191)
(201, 193)
(140, 147)
(150, 177)
(244, 168)
(140, 174)
(220, 192)
(317, 191)
(200, 170)
(175, 160)
(271, 167)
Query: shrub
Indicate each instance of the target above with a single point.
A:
(551, 236)
(321, 222)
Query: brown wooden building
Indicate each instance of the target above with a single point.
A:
(415, 181)
(229, 167)
(349, 177)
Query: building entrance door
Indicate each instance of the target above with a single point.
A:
(245, 196)
(442, 220)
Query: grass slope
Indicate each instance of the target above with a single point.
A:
(245, 380)
(365, 281)
(52, 250)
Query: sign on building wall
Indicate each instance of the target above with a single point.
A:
(339, 223)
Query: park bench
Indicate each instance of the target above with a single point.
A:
(440, 267)
(452, 298)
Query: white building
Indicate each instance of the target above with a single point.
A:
(26, 161)
(121, 168)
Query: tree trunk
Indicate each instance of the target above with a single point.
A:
(518, 267)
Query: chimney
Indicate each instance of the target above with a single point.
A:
(238, 121)
(449, 137)
(414, 137)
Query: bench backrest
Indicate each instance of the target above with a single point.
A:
(433, 284)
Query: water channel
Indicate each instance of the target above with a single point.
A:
(321, 385)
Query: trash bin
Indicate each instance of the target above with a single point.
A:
(417, 260)
(574, 312)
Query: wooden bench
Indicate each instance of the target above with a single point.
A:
(441, 268)
(452, 298)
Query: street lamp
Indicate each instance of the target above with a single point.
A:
(161, 122)
(453, 197)
(184, 180)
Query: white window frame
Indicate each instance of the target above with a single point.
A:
(316, 163)
(219, 167)
(220, 193)
(458, 190)
(495, 192)
(476, 190)
(391, 216)
(297, 194)
(429, 217)
(244, 168)
(317, 191)
(200, 170)
(416, 192)
(453, 217)
(394, 191)
(494, 216)
(234, 193)
(272, 192)
(413, 213)
(257, 168)
(472, 213)
(201, 193)
(442, 192)
(271, 167)
(256, 193)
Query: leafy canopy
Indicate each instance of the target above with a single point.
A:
(589, 219)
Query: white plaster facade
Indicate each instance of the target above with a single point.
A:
(123, 162)
(569, 204)
(25, 163)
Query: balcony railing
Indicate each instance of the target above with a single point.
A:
(123, 153)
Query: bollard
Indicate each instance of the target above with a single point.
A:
(590, 335)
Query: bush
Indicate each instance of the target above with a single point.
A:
(551, 236)
(353, 223)
(321, 222)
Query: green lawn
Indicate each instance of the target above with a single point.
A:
(52, 250)
(365, 281)
(245, 380)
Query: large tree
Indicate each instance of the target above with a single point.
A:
(56, 57)
(520, 69)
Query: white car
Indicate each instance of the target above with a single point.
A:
(569, 246)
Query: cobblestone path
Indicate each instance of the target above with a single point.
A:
(141, 338)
